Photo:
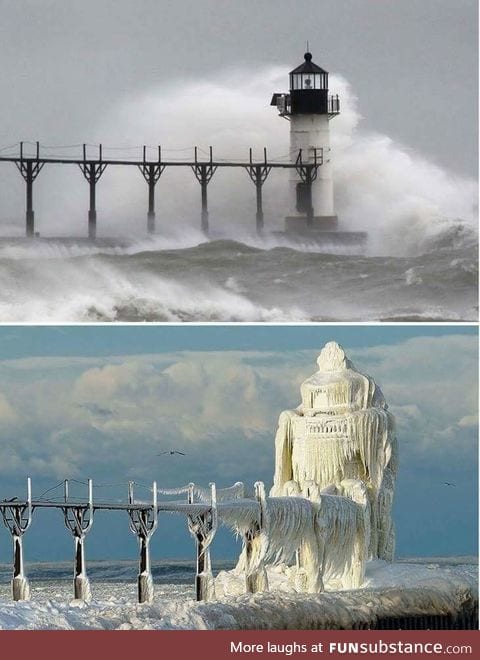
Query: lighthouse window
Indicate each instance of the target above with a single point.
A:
(321, 81)
(309, 81)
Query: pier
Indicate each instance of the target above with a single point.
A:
(31, 158)
(200, 508)
(203, 510)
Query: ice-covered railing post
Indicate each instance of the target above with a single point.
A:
(256, 544)
(79, 519)
(143, 523)
(203, 528)
(17, 519)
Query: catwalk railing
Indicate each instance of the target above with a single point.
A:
(200, 507)
(30, 158)
(203, 510)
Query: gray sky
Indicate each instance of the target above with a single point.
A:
(413, 63)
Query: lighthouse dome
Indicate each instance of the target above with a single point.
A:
(308, 76)
(308, 66)
(337, 388)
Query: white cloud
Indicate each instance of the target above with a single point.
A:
(7, 413)
(75, 416)
(469, 421)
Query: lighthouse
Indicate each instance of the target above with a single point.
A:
(309, 108)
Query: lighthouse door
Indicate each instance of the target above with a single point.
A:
(304, 197)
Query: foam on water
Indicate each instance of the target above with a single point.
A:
(99, 290)
(231, 281)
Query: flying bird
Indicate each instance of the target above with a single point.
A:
(171, 452)
(96, 410)
(447, 483)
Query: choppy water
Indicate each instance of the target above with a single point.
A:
(226, 280)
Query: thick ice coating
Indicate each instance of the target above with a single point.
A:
(342, 431)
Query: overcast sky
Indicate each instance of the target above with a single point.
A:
(103, 402)
(67, 65)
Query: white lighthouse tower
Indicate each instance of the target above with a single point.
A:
(309, 108)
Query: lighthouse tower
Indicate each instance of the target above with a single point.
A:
(309, 108)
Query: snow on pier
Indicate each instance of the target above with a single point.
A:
(433, 595)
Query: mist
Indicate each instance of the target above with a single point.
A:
(404, 201)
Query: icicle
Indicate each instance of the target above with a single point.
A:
(283, 452)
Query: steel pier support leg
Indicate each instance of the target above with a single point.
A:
(81, 583)
(308, 183)
(204, 584)
(203, 173)
(256, 575)
(92, 224)
(20, 586)
(258, 174)
(203, 528)
(92, 171)
(143, 523)
(29, 214)
(145, 580)
(151, 205)
(204, 208)
(17, 519)
(259, 214)
(79, 520)
(92, 212)
(151, 172)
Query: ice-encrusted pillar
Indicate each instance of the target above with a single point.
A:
(17, 517)
(79, 520)
(143, 523)
(255, 541)
(203, 527)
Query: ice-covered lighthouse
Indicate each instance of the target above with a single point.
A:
(309, 108)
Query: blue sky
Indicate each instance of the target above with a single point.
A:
(28, 341)
(104, 401)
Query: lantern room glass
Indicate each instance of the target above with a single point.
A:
(308, 81)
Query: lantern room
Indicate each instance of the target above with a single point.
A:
(308, 93)
(308, 88)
